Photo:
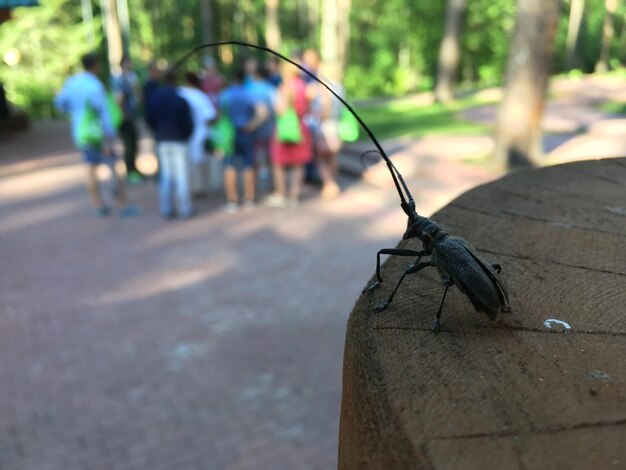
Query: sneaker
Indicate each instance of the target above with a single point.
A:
(248, 206)
(134, 177)
(293, 202)
(103, 211)
(276, 200)
(231, 208)
(128, 212)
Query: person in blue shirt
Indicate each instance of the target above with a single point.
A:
(265, 94)
(81, 94)
(169, 117)
(246, 114)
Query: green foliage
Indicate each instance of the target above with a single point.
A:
(403, 118)
(485, 43)
(50, 40)
(394, 44)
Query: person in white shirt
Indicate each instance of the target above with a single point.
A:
(203, 113)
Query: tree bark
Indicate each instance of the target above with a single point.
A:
(113, 34)
(272, 25)
(608, 31)
(329, 31)
(577, 7)
(343, 32)
(206, 13)
(335, 32)
(518, 127)
(450, 50)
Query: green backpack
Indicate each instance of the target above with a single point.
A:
(288, 127)
(348, 127)
(223, 135)
(90, 132)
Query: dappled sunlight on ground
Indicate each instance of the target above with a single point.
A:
(164, 280)
(33, 216)
(41, 183)
(221, 335)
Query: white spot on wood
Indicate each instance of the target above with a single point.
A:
(553, 321)
(617, 210)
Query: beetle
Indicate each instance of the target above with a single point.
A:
(458, 263)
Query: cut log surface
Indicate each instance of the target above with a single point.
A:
(511, 393)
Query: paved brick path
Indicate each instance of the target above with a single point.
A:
(211, 343)
(214, 343)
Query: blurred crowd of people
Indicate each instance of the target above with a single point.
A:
(271, 122)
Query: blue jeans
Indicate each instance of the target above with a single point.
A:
(174, 173)
(243, 151)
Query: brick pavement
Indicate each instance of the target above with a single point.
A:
(143, 344)
(214, 343)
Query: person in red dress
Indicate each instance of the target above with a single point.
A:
(292, 93)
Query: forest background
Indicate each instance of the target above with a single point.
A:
(384, 47)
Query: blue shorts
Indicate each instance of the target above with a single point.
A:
(94, 156)
(243, 152)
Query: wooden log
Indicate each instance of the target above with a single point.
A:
(511, 393)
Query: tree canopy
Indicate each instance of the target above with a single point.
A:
(393, 46)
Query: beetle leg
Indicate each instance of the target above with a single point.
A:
(391, 251)
(412, 269)
(497, 267)
(437, 325)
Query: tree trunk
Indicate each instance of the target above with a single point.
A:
(450, 50)
(329, 31)
(272, 25)
(577, 7)
(608, 32)
(113, 34)
(335, 32)
(206, 14)
(518, 128)
(343, 32)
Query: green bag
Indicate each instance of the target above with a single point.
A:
(348, 127)
(117, 115)
(90, 132)
(288, 127)
(224, 135)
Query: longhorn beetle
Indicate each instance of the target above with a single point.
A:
(456, 260)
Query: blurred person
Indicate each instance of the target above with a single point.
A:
(170, 118)
(272, 68)
(264, 93)
(250, 69)
(292, 94)
(327, 142)
(246, 114)
(311, 62)
(153, 83)
(212, 82)
(203, 113)
(84, 94)
(126, 88)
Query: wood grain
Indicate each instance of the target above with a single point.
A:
(510, 393)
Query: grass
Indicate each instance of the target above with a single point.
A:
(614, 107)
(404, 118)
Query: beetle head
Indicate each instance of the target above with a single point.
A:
(414, 226)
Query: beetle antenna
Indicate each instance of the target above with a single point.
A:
(408, 205)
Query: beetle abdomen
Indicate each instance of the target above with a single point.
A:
(469, 273)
